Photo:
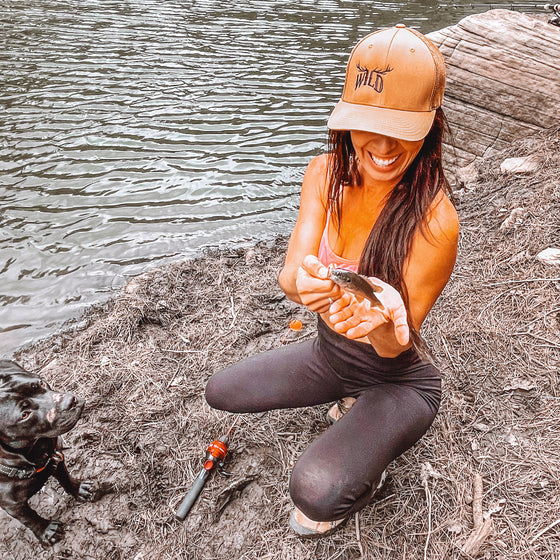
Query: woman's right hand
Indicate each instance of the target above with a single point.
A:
(315, 289)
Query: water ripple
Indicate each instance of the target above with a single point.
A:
(139, 131)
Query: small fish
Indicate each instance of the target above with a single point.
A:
(356, 284)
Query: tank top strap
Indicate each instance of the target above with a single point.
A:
(328, 257)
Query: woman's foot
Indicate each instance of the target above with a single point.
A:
(307, 528)
(339, 409)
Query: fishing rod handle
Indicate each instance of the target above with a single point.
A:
(192, 495)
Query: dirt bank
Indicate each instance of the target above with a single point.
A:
(141, 361)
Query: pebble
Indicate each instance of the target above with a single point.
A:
(550, 256)
(519, 165)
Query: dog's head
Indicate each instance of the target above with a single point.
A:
(29, 409)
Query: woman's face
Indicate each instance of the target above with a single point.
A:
(383, 158)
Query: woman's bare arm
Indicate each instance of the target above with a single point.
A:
(432, 258)
(308, 284)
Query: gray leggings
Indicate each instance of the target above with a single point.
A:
(397, 400)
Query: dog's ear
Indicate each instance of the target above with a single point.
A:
(9, 366)
(7, 369)
(8, 412)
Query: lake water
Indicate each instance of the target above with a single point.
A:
(136, 132)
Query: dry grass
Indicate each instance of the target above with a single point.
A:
(143, 359)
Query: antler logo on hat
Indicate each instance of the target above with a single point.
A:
(365, 77)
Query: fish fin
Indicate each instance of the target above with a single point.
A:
(375, 287)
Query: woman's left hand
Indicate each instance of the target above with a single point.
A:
(357, 319)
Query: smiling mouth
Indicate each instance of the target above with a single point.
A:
(383, 162)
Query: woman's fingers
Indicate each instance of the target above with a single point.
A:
(395, 311)
(315, 289)
(313, 266)
(343, 325)
(365, 326)
(400, 325)
(339, 308)
(358, 319)
(308, 284)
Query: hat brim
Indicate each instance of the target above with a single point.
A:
(405, 125)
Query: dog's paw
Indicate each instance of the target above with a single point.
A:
(53, 532)
(86, 491)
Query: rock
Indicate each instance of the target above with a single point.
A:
(250, 256)
(514, 219)
(550, 256)
(481, 427)
(511, 438)
(519, 165)
(468, 175)
(519, 384)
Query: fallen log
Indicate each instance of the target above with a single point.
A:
(503, 80)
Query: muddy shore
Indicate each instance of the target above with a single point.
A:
(141, 361)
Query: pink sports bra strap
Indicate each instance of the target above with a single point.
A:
(329, 258)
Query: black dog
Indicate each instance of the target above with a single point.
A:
(32, 416)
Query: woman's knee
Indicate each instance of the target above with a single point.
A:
(216, 393)
(317, 492)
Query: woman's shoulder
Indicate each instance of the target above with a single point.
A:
(316, 177)
(442, 219)
(319, 165)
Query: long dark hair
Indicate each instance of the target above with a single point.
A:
(406, 208)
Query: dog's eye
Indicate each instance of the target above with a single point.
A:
(25, 407)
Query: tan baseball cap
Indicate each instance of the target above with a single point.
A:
(395, 81)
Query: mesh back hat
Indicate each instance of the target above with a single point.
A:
(395, 80)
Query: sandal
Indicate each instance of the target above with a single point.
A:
(309, 529)
(339, 409)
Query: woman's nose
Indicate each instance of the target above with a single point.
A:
(384, 144)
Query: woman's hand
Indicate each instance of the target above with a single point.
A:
(316, 291)
(356, 319)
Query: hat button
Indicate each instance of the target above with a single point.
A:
(400, 25)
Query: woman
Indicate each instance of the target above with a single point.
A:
(376, 203)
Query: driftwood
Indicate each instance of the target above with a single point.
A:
(477, 538)
(478, 517)
(503, 80)
(482, 528)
